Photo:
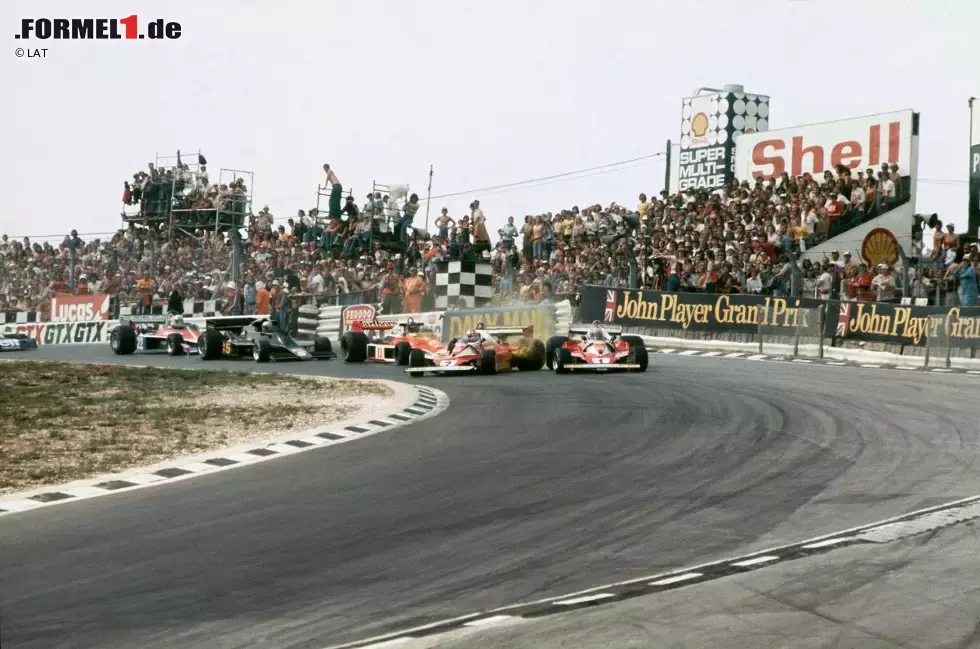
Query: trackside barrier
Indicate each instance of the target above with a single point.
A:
(328, 322)
(563, 315)
(307, 322)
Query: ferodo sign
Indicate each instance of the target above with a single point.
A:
(65, 333)
(357, 313)
(856, 143)
(79, 308)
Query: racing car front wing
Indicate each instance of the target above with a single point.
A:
(602, 366)
(447, 369)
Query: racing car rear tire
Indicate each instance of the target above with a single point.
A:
(641, 357)
(562, 358)
(553, 343)
(488, 362)
(210, 345)
(633, 341)
(402, 352)
(175, 345)
(534, 359)
(416, 358)
(353, 347)
(260, 352)
(122, 340)
(322, 346)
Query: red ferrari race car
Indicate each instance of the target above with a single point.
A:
(596, 348)
(154, 333)
(483, 350)
(369, 341)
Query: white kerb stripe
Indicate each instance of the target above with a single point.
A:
(835, 363)
(676, 579)
(689, 352)
(397, 642)
(755, 561)
(939, 369)
(801, 360)
(973, 372)
(735, 355)
(870, 365)
(757, 357)
(668, 351)
(711, 354)
(82, 492)
(583, 600)
(142, 478)
(19, 505)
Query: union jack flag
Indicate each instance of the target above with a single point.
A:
(610, 313)
(843, 319)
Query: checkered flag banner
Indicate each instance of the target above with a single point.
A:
(468, 283)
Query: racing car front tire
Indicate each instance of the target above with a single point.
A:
(416, 358)
(534, 357)
(210, 345)
(562, 358)
(402, 351)
(488, 362)
(641, 357)
(260, 352)
(353, 347)
(554, 343)
(122, 340)
(175, 345)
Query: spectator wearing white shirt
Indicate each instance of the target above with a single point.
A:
(825, 284)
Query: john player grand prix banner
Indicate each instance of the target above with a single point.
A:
(870, 321)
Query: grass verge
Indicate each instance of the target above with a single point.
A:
(61, 422)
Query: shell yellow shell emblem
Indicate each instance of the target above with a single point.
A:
(880, 246)
(699, 125)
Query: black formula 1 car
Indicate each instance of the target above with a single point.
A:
(16, 343)
(263, 340)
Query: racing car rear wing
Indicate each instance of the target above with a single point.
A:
(580, 328)
(372, 325)
(232, 322)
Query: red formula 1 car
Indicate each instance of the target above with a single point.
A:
(483, 350)
(370, 341)
(596, 348)
(154, 332)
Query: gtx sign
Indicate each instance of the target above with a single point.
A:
(856, 143)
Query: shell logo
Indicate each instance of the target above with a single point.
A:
(699, 124)
(880, 246)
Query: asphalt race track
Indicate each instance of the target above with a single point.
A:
(529, 486)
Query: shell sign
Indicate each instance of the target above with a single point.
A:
(880, 246)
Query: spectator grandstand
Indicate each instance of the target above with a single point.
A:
(187, 237)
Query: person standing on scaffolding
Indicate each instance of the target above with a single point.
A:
(336, 189)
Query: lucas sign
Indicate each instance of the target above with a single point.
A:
(856, 143)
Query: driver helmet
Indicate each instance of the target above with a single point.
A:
(268, 327)
(470, 333)
(177, 320)
(596, 328)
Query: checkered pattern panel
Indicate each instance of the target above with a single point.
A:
(18, 317)
(470, 282)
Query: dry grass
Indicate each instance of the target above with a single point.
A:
(61, 422)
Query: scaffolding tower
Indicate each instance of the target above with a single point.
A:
(184, 197)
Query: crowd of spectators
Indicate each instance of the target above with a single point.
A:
(746, 238)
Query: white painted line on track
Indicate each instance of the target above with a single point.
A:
(397, 642)
(828, 542)
(687, 576)
(495, 620)
(584, 599)
(756, 560)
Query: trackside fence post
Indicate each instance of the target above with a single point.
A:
(796, 335)
(759, 334)
(823, 325)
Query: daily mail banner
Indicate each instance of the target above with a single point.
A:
(856, 143)
(79, 308)
(455, 323)
(870, 321)
(65, 333)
